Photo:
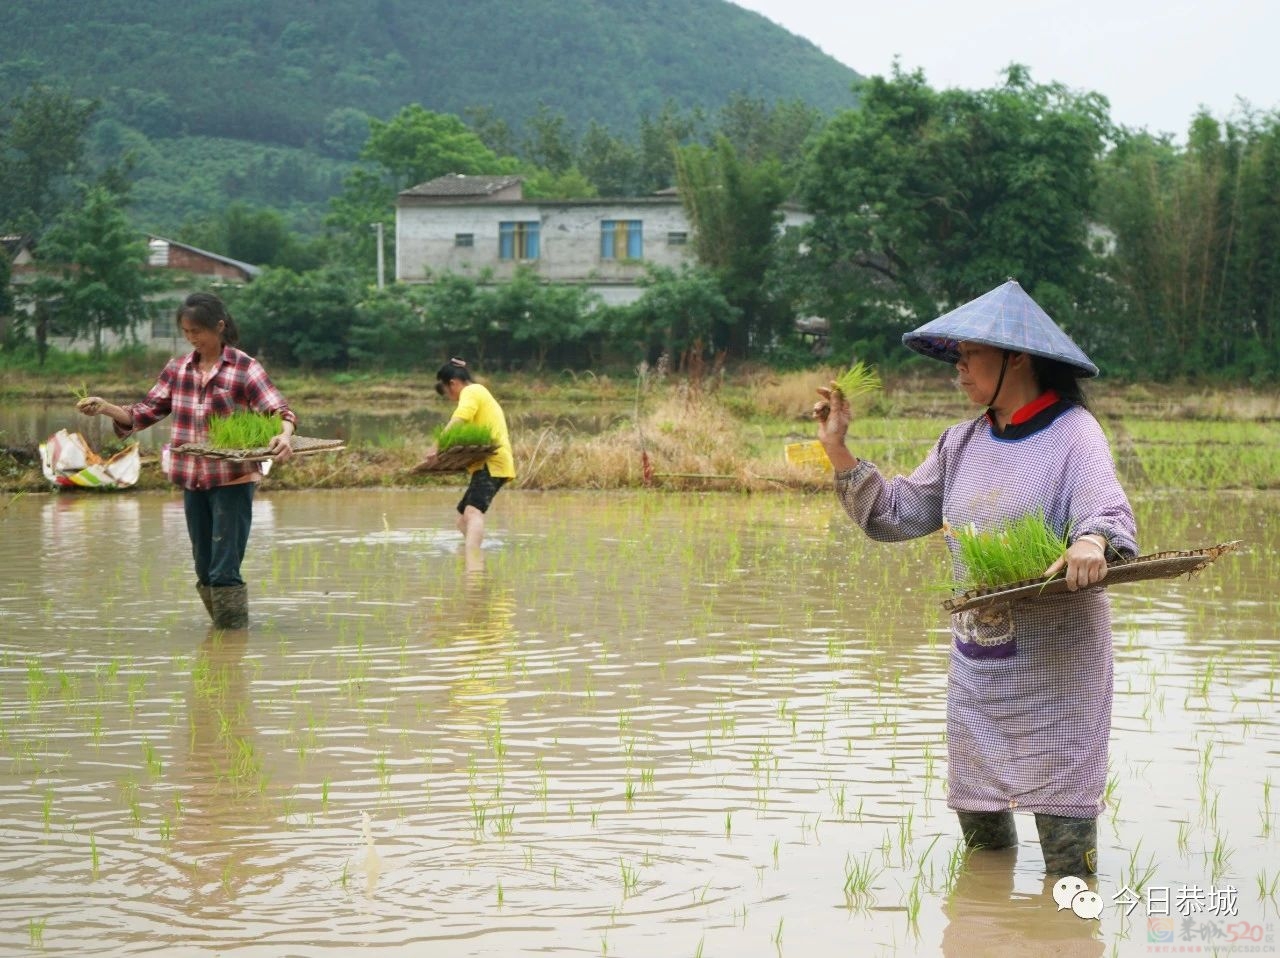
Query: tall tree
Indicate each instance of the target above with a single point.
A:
(41, 151)
(733, 207)
(924, 199)
(95, 277)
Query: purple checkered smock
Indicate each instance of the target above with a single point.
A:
(1030, 684)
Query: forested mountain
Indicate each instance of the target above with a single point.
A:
(299, 72)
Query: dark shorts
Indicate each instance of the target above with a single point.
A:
(481, 490)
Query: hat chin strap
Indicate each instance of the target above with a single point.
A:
(1004, 367)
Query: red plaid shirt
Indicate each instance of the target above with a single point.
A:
(238, 382)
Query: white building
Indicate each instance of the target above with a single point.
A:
(469, 224)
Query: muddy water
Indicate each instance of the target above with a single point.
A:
(649, 725)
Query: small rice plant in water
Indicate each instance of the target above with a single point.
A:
(243, 429)
(463, 434)
(1017, 550)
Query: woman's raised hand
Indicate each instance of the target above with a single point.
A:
(834, 415)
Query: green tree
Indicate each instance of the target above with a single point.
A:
(298, 319)
(924, 199)
(678, 312)
(41, 151)
(568, 185)
(1196, 249)
(734, 209)
(418, 145)
(609, 162)
(548, 143)
(94, 277)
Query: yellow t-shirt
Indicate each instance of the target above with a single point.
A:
(477, 405)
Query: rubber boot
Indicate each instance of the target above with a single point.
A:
(206, 598)
(230, 606)
(1070, 845)
(990, 830)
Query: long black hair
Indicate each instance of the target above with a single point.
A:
(206, 310)
(453, 369)
(1061, 377)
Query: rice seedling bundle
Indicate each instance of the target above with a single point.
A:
(858, 380)
(1017, 550)
(463, 434)
(243, 429)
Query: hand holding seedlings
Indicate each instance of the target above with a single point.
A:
(859, 379)
(97, 406)
(833, 414)
(1086, 563)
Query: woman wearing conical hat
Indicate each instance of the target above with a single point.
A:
(1029, 684)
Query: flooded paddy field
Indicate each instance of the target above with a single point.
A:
(652, 724)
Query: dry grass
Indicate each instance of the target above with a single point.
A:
(689, 436)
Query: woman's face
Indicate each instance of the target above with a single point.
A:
(978, 371)
(207, 342)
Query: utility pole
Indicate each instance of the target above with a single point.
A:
(378, 229)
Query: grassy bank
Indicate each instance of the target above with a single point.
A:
(724, 432)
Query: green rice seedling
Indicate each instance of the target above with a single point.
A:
(630, 877)
(858, 380)
(35, 929)
(1268, 887)
(463, 434)
(1017, 550)
(243, 430)
(858, 877)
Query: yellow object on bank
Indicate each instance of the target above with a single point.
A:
(808, 454)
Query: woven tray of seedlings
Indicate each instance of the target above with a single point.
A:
(458, 457)
(460, 447)
(1158, 565)
(301, 445)
(245, 436)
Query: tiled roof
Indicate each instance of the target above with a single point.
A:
(459, 184)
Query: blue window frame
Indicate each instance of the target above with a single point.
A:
(518, 239)
(621, 239)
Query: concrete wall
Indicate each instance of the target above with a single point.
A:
(569, 239)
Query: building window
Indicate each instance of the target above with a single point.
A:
(621, 239)
(677, 238)
(464, 239)
(518, 240)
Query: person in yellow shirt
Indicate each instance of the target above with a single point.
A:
(475, 404)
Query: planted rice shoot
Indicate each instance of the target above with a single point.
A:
(463, 434)
(1017, 550)
(244, 429)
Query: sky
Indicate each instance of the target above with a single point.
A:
(1156, 61)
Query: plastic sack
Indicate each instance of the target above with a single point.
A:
(67, 460)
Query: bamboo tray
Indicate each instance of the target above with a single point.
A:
(458, 457)
(1158, 565)
(302, 446)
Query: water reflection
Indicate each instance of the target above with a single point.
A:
(223, 781)
(988, 914)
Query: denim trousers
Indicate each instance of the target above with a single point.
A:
(218, 522)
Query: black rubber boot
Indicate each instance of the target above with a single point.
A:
(230, 606)
(206, 597)
(1070, 845)
(988, 830)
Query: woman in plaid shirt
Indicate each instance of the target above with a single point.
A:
(215, 379)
